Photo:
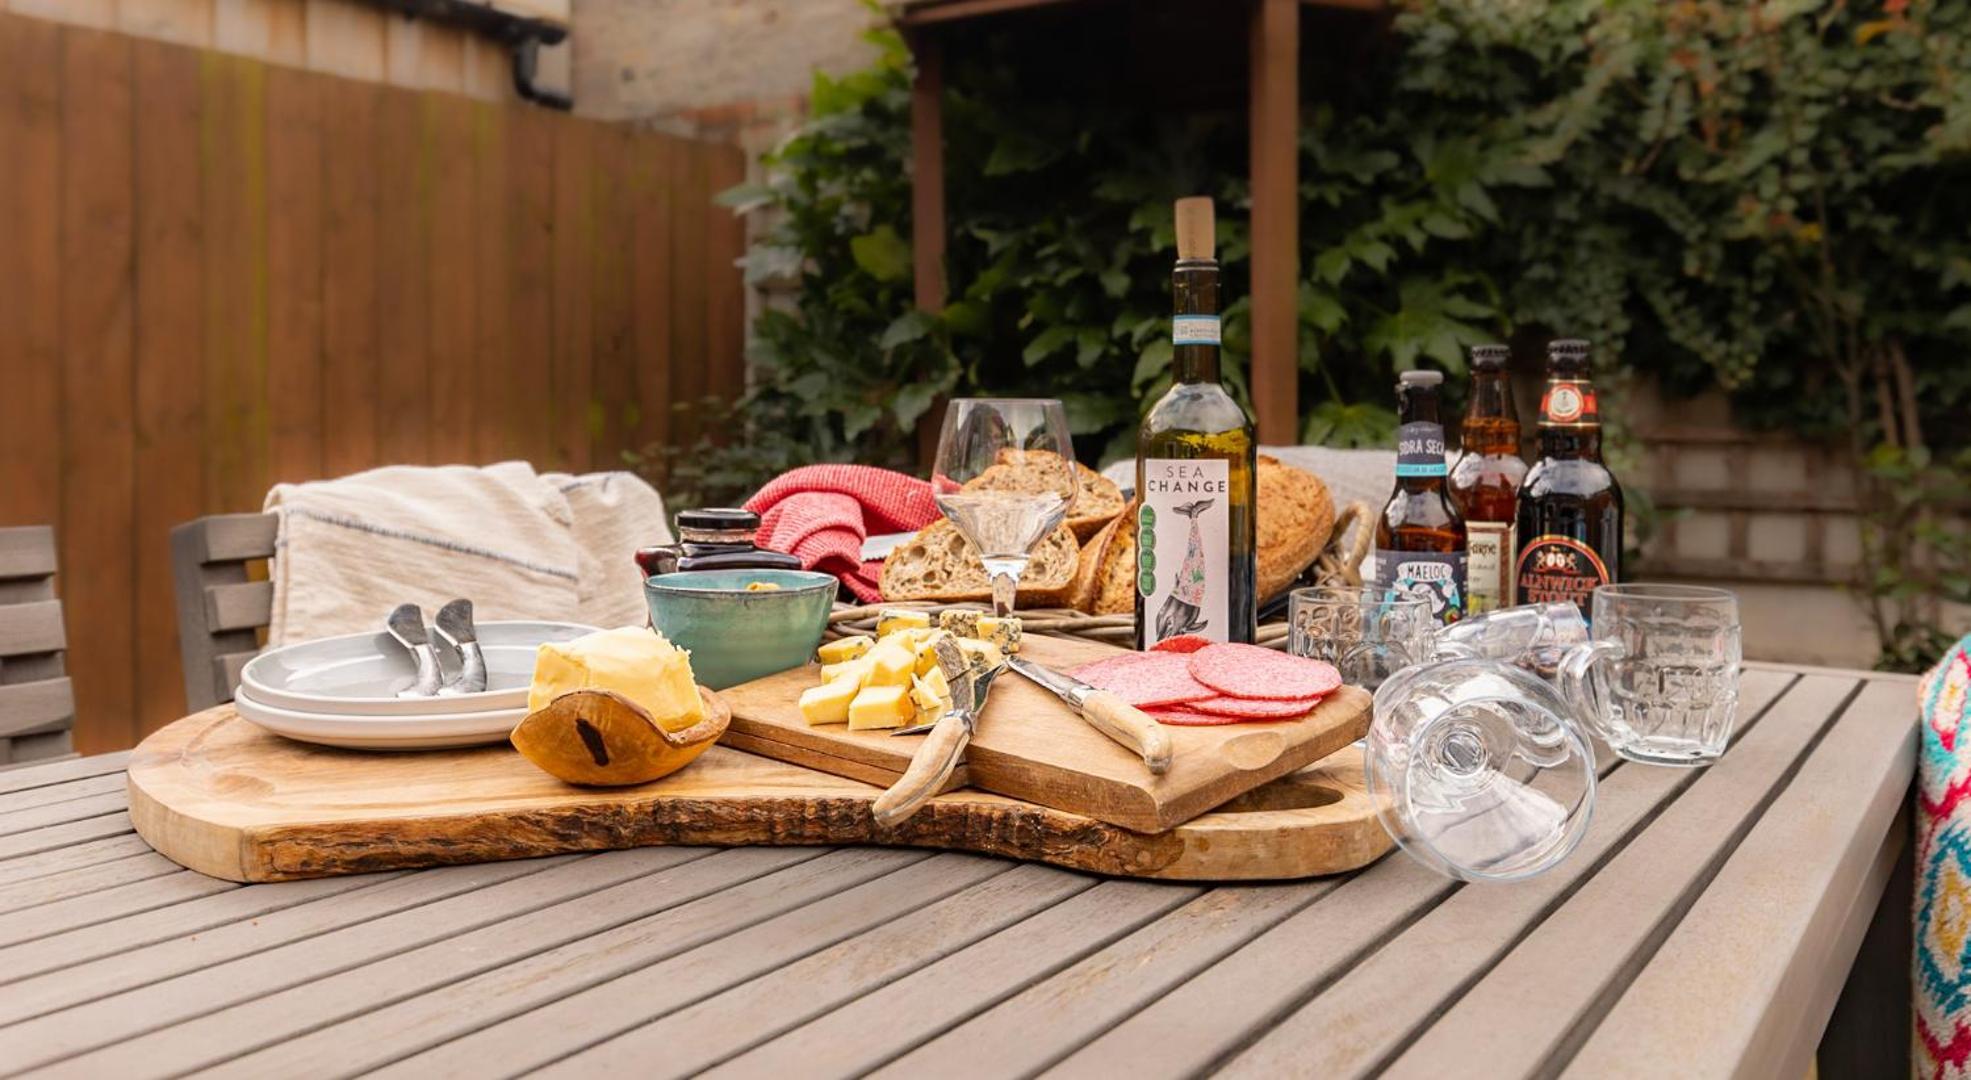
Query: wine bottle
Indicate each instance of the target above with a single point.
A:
(1195, 471)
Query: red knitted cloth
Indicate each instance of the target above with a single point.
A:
(822, 513)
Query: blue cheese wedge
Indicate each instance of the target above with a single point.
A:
(1002, 632)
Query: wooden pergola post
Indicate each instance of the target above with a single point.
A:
(1275, 123)
(927, 209)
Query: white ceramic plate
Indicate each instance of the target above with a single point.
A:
(431, 731)
(360, 674)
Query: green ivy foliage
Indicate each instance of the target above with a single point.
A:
(1769, 197)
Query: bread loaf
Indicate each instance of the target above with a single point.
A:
(1097, 499)
(1115, 589)
(939, 564)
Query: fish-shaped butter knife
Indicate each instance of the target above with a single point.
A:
(406, 624)
(454, 624)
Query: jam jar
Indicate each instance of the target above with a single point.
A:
(716, 538)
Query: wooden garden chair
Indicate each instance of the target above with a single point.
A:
(222, 609)
(37, 703)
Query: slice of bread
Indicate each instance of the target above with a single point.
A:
(1088, 575)
(939, 564)
(1115, 591)
(1296, 517)
(1097, 499)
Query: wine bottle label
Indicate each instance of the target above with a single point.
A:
(1555, 568)
(1437, 576)
(1420, 450)
(1184, 547)
(1569, 402)
(1489, 552)
(1194, 330)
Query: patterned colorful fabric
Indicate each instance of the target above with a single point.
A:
(1943, 868)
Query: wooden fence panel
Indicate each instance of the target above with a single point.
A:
(223, 275)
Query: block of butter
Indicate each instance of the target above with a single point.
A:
(634, 661)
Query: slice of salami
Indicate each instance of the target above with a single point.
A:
(1180, 717)
(1182, 643)
(1248, 671)
(1147, 678)
(1255, 708)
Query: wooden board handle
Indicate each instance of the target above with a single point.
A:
(1130, 726)
(928, 771)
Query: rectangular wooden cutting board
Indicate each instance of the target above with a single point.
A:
(221, 796)
(1031, 746)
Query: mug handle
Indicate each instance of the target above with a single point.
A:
(1577, 683)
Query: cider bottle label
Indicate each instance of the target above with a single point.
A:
(1420, 450)
(1489, 551)
(1437, 576)
(1569, 402)
(1555, 568)
(1183, 547)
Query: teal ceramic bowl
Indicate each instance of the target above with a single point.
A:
(737, 636)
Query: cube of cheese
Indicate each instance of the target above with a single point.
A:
(931, 692)
(927, 649)
(983, 655)
(857, 669)
(891, 663)
(848, 648)
(890, 620)
(961, 622)
(634, 661)
(880, 707)
(1001, 632)
(829, 702)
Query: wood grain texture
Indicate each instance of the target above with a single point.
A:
(223, 797)
(1031, 746)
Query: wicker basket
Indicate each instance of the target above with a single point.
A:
(1338, 564)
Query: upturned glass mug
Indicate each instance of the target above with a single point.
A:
(1659, 680)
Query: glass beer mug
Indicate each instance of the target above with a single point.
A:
(1659, 680)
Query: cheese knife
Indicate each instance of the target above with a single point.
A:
(1105, 712)
(455, 627)
(406, 624)
(945, 743)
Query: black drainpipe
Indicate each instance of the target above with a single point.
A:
(522, 35)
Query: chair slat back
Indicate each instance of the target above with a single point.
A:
(37, 701)
(220, 609)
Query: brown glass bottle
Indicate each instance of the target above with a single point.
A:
(1420, 539)
(1570, 507)
(1485, 481)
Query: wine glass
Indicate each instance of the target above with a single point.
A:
(1005, 477)
(1479, 769)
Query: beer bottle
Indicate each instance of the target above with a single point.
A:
(1570, 508)
(1485, 481)
(1420, 539)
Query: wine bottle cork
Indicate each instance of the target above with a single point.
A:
(1195, 228)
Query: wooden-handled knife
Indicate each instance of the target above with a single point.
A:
(945, 743)
(1106, 713)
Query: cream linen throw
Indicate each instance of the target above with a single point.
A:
(518, 544)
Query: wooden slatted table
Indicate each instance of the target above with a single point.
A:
(1705, 927)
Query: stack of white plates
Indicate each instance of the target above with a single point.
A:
(342, 691)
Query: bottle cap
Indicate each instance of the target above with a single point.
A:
(719, 519)
(1420, 378)
(1573, 348)
(1490, 357)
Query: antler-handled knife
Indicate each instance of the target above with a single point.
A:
(1105, 712)
(938, 755)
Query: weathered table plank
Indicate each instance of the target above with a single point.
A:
(888, 1022)
(1812, 878)
(1531, 1007)
(760, 883)
(1373, 990)
(1633, 957)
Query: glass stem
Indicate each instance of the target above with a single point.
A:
(1005, 586)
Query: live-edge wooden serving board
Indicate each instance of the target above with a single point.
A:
(223, 797)
(1032, 747)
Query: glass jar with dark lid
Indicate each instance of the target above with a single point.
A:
(714, 538)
